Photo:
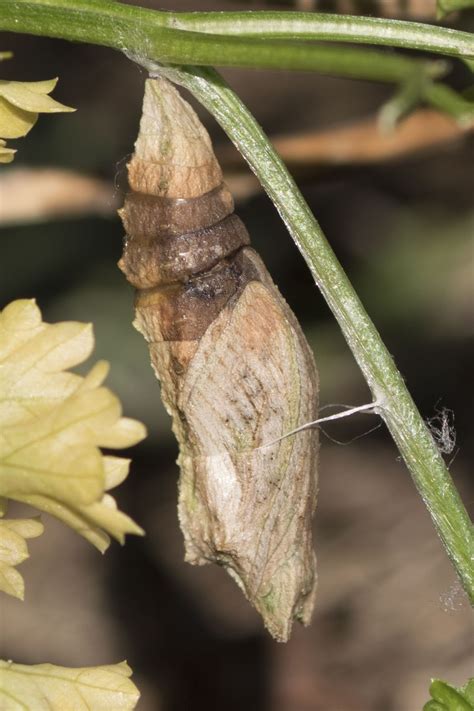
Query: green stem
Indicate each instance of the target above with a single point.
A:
(324, 26)
(154, 35)
(394, 403)
(264, 25)
(141, 32)
(442, 97)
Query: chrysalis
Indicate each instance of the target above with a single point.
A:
(235, 369)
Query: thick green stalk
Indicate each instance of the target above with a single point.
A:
(393, 401)
(141, 32)
(154, 35)
(324, 26)
(264, 25)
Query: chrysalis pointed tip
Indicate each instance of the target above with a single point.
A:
(173, 152)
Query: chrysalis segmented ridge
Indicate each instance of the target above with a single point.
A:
(235, 369)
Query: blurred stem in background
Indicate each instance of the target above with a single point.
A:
(150, 38)
(445, 7)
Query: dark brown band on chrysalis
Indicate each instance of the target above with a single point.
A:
(146, 216)
(183, 311)
(187, 258)
(168, 259)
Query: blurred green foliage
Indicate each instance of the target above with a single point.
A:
(447, 698)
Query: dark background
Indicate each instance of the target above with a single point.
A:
(391, 614)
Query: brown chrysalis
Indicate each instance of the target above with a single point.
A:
(235, 369)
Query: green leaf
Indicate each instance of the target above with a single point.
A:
(47, 687)
(53, 423)
(447, 698)
(468, 691)
(13, 551)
